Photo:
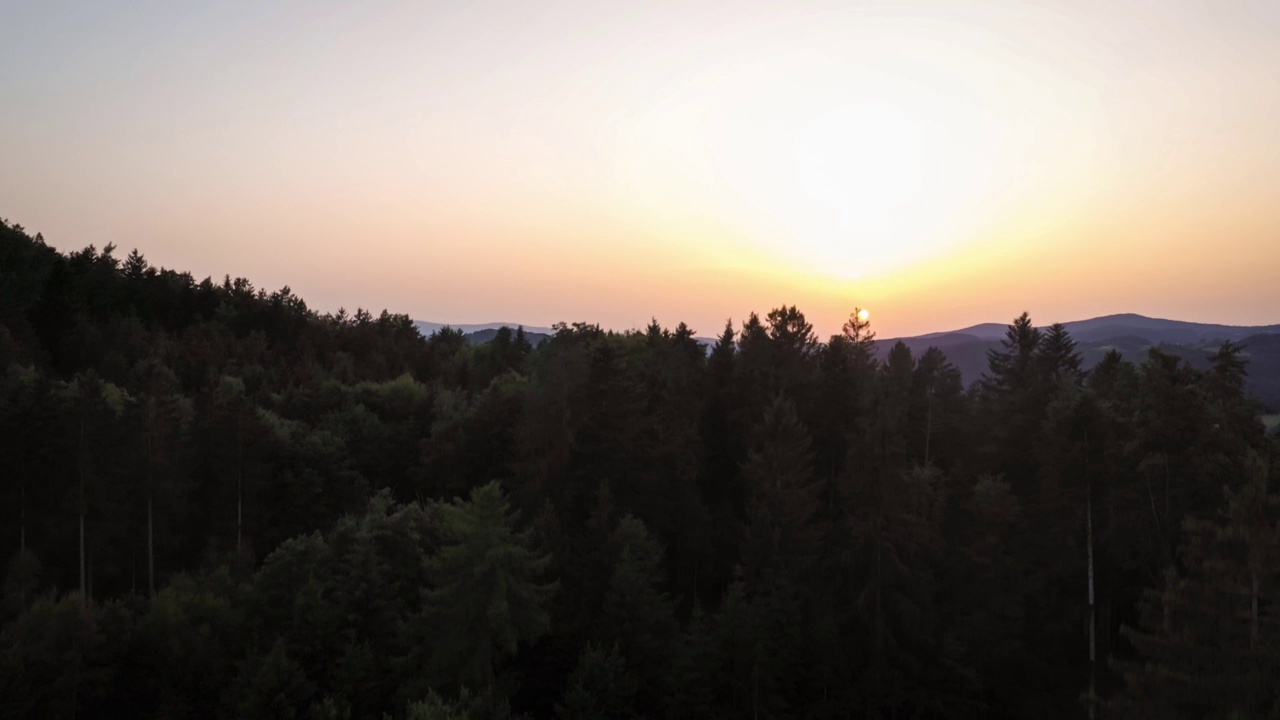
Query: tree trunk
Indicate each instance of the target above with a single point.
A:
(22, 533)
(928, 424)
(82, 461)
(1254, 637)
(755, 693)
(1093, 654)
(879, 621)
(151, 553)
(84, 588)
(1254, 634)
(239, 487)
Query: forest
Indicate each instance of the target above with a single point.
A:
(219, 503)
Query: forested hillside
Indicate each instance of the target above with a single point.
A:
(1130, 335)
(218, 503)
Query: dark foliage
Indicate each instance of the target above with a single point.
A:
(219, 503)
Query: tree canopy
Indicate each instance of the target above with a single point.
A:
(217, 502)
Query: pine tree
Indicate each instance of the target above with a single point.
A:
(781, 535)
(936, 417)
(1011, 369)
(1057, 353)
(600, 687)
(692, 679)
(1209, 636)
(636, 614)
(273, 685)
(488, 596)
(1013, 401)
(857, 330)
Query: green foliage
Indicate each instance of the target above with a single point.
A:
(1209, 640)
(599, 687)
(489, 596)
(48, 667)
(272, 686)
(781, 535)
(437, 708)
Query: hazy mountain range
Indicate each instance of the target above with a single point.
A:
(484, 332)
(1129, 333)
(1132, 335)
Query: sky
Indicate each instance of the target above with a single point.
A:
(938, 163)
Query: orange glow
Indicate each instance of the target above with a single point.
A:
(694, 161)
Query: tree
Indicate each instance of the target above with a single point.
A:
(599, 688)
(780, 537)
(1011, 369)
(936, 419)
(1209, 636)
(1013, 400)
(48, 668)
(94, 408)
(1057, 353)
(163, 417)
(857, 330)
(636, 615)
(488, 597)
(794, 346)
(272, 686)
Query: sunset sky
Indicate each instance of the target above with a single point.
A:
(942, 164)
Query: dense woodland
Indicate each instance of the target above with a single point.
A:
(218, 503)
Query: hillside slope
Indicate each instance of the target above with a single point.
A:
(1132, 335)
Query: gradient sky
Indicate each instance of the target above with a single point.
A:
(941, 164)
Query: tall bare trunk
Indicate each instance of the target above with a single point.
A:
(84, 588)
(1254, 638)
(84, 585)
(755, 694)
(151, 552)
(22, 532)
(1093, 655)
(879, 621)
(928, 424)
(239, 487)
(1254, 635)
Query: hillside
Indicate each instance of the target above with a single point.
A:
(483, 336)
(484, 332)
(428, 328)
(1132, 335)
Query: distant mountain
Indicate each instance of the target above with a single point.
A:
(1130, 334)
(483, 336)
(1156, 330)
(427, 328)
(484, 332)
(1151, 330)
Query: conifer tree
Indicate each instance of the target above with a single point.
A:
(637, 615)
(600, 687)
(1013, 401)
(488, 596)
(1057, 353)
(782, 538)
(1209, 635)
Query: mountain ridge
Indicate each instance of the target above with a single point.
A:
(1128, 333)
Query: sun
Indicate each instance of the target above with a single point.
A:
(863, 315)
(832, 171)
